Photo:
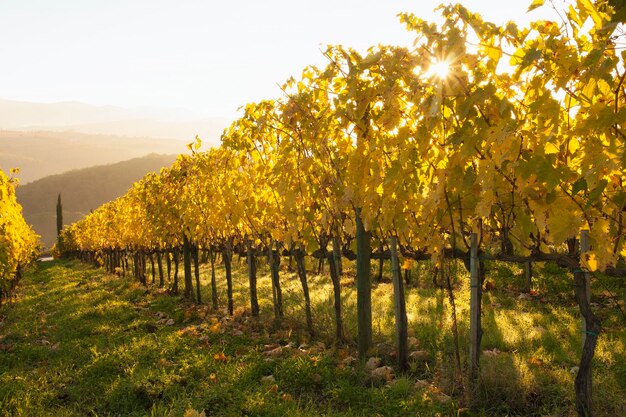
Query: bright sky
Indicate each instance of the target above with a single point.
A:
(207, 56)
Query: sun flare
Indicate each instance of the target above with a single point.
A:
(440, 68)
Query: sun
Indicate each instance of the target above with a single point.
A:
(440, 68)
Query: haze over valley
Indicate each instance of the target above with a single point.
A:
(89, 154)
(50, 138)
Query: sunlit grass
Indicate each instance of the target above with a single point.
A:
(86, 343)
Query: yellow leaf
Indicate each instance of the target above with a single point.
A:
(551, 148)
(194, 413)
(573, 144)
(593, 12)
(590, 262)
(535, 4)
(407, 264)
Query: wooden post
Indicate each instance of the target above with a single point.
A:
(337, 256)
(187, 267)
(152, 268)
(160, 265)
(474, 347)
(528, 276)
(196, 270)
(227, 254)
(175, 284)
(274, 261)
(400, 307)
(591, 328)
(305, 288)
(363, 287)
(214, 301)
(168, 263)
(585, 247)
(335, 278)
(254, 302)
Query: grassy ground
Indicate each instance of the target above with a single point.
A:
(79, 342)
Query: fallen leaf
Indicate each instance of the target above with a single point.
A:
(382, 374)
(421, 383)
(372, 363)
(274, 352)
(419, 355)
(194, 413)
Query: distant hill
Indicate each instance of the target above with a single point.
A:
(39, 154)
(209, 130)
(168, 123)
(81, 191)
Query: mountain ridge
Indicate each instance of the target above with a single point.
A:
(82, 190)
(40, 154)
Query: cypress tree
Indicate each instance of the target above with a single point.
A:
(59, 215)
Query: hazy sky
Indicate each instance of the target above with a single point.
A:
(207, 56)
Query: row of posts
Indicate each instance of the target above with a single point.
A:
(475, 296)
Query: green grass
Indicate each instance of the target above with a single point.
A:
(78, 342)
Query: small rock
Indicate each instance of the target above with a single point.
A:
(421, 384)
(463, 412)
(348, 360)
(318, 347)
(574, 370)
(5, 347)
(42, 342)
(442, 398)
(419, 355)
(491, 353)
(170, 322)
(382, 374)
(271, 346)
(372, 363)
(269, 379)
(274, 352)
